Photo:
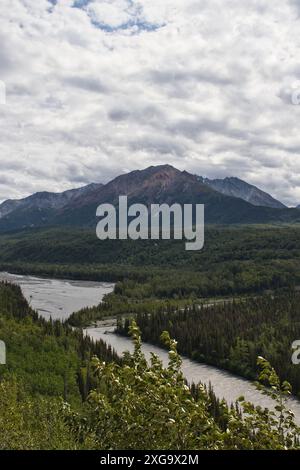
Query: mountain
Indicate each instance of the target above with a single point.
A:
(45, 200)
(166, 184)
(39, 205)
(154, 185)
(238, 188)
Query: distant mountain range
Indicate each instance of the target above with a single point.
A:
(228, 201)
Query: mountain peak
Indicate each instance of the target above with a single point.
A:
(161, 169)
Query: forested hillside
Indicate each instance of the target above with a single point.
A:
(48, 356)
(231, 335)
(233, 261)
(47, 362)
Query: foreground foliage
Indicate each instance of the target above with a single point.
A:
(30, 423)
(146, 406)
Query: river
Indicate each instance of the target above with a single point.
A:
(225, 384)
(59, 298)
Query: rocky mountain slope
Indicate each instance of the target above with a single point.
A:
(238, 188)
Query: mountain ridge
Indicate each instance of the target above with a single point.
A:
(233, 186)
(45, 199)
(155, 184)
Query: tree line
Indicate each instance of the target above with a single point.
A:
(231, 335)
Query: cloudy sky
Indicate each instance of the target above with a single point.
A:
(95, 88)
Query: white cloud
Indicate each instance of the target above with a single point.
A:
(115, 85)
(110, 13)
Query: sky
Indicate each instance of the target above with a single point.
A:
(90, 89)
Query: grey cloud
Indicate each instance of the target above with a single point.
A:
(173, 76)
(157, 145)
(5, 180)
(296, 4)
(6, 57)
(193, 128)
(86, 83)
(286, 93)
(95, 172)
(119, 115)
(209, 91)
(141, 113)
